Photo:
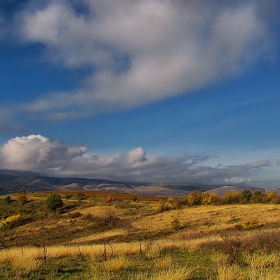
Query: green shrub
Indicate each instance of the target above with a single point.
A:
(257, 196)
(54, 202)
(7, 200)
(246, 196)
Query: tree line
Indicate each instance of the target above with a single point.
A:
(232, 197)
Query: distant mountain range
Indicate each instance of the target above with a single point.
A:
(12, 181)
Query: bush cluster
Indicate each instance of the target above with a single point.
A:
(250, 224)
(169, 204)
(198, 198)
(175, 224)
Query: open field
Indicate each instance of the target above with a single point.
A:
(123, 236)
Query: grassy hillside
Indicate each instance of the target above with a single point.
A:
(98, 235)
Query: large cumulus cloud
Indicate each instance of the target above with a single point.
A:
(37, 152)
(140, 51)
(52, 157)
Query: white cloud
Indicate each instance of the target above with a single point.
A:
(137, 155)
(237, 180)
(141, 51)
(37, 152)
(52, 157)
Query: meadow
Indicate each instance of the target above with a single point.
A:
(98, 235)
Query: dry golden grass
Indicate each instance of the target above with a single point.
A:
(14, 253)
(262, 260)
(150, 235)
(61, 251)
(25, 264)
(101, 210)
(23, 259)
(104, 235)
(229, 272)
(219, 258)
(270, 273)
(150, 249)
(139, 217)
(116, 263)
(209, 218)
(50, 252)
(151, 240)
(126, 248)
(164, 262)
(260, 266)
(263, 266)
(203, 219)
(177, 273)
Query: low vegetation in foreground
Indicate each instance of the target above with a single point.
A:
(97, 235)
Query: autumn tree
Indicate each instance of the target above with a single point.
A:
(194, 198)
(270, 196)
(209, 198)
(231, 197)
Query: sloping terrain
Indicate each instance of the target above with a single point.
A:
(121, 236)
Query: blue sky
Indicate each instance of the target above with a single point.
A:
(145, 90)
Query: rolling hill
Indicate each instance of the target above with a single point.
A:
(12, 181)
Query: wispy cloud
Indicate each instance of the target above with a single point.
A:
(52, 157)
(140, 51)
(4, 27)
(7, 125)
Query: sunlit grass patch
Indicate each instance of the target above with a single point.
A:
(229, 272)
(116, 263)
(263, 266)
(21, 260)
(177, 273)
(164, 262)
(262, 260)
